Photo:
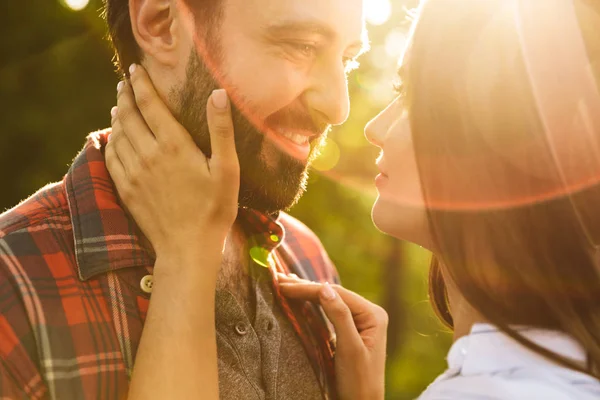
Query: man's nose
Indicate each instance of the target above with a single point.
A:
(328, 93)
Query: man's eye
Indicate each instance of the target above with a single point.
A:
(305, 50)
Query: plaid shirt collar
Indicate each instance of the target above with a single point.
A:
(98, 219)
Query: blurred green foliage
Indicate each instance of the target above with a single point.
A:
(57, 83)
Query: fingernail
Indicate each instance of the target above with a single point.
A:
(219, 98)
(120, 86)
(327, 292)
(113, 111)
(132, 68)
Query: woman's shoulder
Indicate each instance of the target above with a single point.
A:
(487, 364)
(511, 385)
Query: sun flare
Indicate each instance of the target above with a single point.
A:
(377, 12)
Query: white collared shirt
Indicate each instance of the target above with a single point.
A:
(489, 365)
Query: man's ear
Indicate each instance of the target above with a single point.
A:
(155, 27)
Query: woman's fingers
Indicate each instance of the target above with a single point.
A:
(333, 304)
(224, 164)
(123, 148)
(340, 316)
(220, 126)
(155, 112)
(305, 290)
(115, 167)
(290, 278)
(133, 125)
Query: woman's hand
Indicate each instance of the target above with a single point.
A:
(185, 204)
(361, 329)
(178, 197)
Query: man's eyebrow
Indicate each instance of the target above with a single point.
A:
(303, 27)
(315, 27)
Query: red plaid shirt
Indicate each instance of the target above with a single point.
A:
(71, 306)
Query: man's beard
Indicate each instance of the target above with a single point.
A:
(266, 186)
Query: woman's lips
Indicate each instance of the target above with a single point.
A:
(382, 178)
(381, 169)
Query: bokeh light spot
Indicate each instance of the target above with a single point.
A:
(260, 256)
(330, 156)
(75, 5)
(377, 12)
(395, 42)
(379, 57)
(274, 238)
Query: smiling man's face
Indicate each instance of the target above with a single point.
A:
(284, 64)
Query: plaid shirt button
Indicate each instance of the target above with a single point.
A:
(146, 283)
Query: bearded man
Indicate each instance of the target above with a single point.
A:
(78, 270)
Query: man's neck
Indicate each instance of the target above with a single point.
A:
(234, 273)
(236, 242)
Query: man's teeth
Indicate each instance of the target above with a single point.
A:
(300, 140)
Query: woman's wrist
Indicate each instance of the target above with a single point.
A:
(188, 261)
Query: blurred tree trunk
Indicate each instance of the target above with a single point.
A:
(393, 278)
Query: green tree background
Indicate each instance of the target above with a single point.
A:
(57, 84)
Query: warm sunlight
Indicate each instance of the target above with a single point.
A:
(377, 12)
(76, 5)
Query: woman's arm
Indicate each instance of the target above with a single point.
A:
(185, 204)
(177, 356)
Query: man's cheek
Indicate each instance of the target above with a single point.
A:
(273, 91)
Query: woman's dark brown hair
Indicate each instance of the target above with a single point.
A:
(518, 255)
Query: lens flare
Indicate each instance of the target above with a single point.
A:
(377, 12)
(395, 42)
(260, 256)
(329, 158)
(76, 5)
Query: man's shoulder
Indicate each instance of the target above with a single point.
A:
(38, 226)
(47, 203)
(50, 202)
(306, 252)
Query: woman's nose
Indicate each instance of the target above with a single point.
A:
(377, 128)
(371, 132)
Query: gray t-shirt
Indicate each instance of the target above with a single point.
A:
(260, 355)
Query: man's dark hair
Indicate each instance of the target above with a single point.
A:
(120, 33)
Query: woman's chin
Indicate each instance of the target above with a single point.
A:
(379, 217)
(402, 222)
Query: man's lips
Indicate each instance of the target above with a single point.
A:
(296, 143)
(295, 136)
(298, 136)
